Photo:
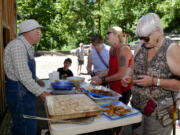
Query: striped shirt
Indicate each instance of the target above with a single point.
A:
(16, 64)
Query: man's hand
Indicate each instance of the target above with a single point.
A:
(89, 71)
(43, 95)
(41, 83)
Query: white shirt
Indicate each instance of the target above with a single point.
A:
(80, 53)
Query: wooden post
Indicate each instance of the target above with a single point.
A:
(7, 33)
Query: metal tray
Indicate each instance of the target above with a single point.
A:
(64, 92)
(84, 106)
(94, 96)
(118, 103)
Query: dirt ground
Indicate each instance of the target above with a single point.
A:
(48, 64)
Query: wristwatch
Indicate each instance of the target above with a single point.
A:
(104, 79)
(158, 82)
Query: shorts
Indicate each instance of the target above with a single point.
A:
(80, 62)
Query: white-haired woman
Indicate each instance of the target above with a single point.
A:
(155, 62)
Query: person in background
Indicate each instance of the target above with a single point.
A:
(80, 56)
(98, 58)
(65, 72)
(156, 72)
(120, 59)
(21, 84)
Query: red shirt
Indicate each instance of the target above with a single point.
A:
(113, 69)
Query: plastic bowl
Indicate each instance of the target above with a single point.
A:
(62, 85)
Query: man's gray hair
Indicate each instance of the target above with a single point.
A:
(81, 44)
(148, 25)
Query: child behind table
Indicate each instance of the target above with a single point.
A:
(65, 72)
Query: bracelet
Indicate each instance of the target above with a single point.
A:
(104, 79)
(152, 81)
(158, 82)
(152, 88)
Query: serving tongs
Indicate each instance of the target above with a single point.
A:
(80, 121)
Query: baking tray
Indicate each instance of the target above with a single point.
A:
(86, 89)
(61, 107)
(64, 92)
(118, 103)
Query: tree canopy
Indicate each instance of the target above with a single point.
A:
(69, 22)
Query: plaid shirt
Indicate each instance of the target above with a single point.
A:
(16, 64)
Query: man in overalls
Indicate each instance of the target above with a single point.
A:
(21, 84)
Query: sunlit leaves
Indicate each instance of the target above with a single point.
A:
(70, 22)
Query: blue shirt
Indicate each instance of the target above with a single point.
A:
(96, 61)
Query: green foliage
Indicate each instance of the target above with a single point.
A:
(170, 15)
(69, 22)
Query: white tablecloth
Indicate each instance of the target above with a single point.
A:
(100, 123)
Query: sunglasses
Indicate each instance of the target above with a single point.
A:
(109, 32)
(145, 39)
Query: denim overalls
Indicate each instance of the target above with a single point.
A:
(20, 101)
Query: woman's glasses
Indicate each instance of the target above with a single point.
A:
(145, 39)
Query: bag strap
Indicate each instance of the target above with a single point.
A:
(174, 113)
(99, 55)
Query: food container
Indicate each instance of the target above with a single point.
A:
(62, 85)
(76, 80)
(61, 107)
(54, 76)
(87, 88)
(132, 111)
